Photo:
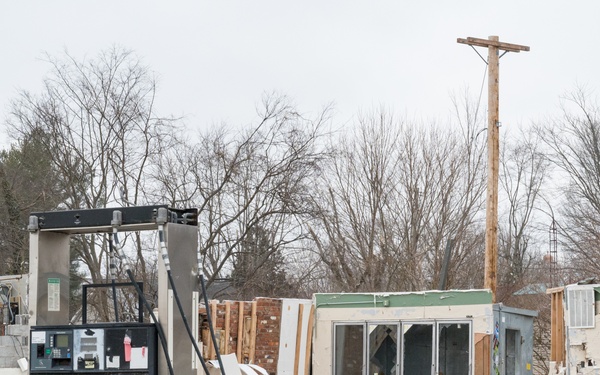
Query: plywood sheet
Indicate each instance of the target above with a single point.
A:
(291, 334)
(482, 354)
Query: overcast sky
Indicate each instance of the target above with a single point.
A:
(215, 59)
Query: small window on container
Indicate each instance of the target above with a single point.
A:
(581, 306)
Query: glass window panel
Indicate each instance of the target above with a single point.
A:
(418, 349)
(383, 349)
(453, 348)
(349, 349)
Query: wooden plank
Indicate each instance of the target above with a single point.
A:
(298, 338)
(225, 348)
(209, 344)
(560, 349)
(206, 334)
(240, 336)
(309, 333)
(247, 338)
(500, 45)
(557, 332)
(205, 342)
(213, 314)
(553, 328)
(483, 354)
(253, 334)
(221, 338)
(493, 43)
(554, 290)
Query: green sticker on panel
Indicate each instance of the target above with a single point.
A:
(53, 294)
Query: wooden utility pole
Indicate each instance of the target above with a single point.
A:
(494, 47)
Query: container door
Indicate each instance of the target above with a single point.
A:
(512, 352)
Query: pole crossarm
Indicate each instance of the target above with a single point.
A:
(493, 43)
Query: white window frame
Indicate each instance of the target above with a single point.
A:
(581, 306)
(435, 323)
(471, 344)
(365, 325)
(398, 325)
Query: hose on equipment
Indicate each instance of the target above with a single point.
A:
(161, 219)
(210, 325)
(208, 315)
(121, 254)
(113, 276)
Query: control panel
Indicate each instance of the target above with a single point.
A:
(95, 348)
(88, 349)
(51, 350)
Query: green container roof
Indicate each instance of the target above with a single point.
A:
(405, 299)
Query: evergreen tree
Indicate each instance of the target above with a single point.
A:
(258, 269)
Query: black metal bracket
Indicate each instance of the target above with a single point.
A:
(100, 220)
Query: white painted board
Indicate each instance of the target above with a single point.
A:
(287, 336)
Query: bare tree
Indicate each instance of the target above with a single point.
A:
(524, 169)
(573, 142)
(523, 268)
(259, 178)
(353, 231)
(102, 134)
(395, 193)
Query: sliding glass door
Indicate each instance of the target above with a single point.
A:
(408, 347)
